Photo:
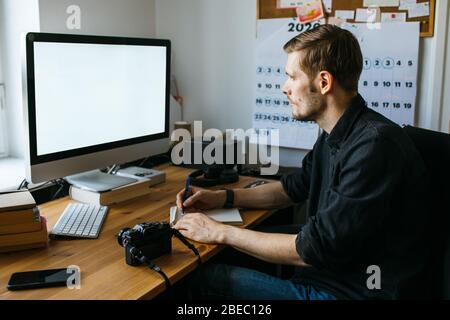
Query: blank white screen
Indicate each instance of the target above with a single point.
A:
(90, 94)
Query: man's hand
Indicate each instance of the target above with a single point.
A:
(270, 247)
(200, 228)
(201, 199)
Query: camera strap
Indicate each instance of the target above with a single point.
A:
(178, 234)
(143, 259)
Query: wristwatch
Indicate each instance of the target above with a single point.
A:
(229, 202)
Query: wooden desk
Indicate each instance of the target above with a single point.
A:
(104, 273)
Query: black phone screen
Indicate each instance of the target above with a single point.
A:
(39, 279)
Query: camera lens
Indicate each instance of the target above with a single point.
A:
(120, 236)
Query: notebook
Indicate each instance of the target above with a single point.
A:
(228, 216)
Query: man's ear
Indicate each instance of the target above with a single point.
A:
(326, 82)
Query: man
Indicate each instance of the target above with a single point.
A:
(366, 186)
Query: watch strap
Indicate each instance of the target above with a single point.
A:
(229, 202)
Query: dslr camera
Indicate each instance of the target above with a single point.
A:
(151, 240)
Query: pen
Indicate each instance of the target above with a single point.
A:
(186, 193)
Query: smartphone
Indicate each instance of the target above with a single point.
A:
(39, 279)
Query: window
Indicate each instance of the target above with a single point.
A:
(3, 132)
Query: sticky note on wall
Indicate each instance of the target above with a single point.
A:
(311, 10)
(381, 3)
(405, 4)
(393, 17)
(368, 15)
(345, 14)
(285, 4)
(328, 5)
(419, 10)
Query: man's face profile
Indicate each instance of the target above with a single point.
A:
(302, 92)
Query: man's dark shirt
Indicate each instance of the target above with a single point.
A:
(367, 189)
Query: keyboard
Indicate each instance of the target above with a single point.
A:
(80, 220)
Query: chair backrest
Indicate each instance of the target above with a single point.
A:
(434, 148)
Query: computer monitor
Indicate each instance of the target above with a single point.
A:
(93, 101)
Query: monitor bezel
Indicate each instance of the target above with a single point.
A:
(32, 38)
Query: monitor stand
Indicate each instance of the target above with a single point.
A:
(98, 181)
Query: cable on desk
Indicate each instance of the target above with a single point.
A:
(143, 259)
(23, 184)
(60, 182)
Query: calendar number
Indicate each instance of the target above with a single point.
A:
(386, 105)
(302, 27)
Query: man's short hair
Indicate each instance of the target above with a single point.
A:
(330, 48)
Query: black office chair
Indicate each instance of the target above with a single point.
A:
(434, 148)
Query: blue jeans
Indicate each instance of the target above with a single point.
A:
(235, 283)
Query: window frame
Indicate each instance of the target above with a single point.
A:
(3, 125)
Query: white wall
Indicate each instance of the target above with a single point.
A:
(1, 41)
(127, 18)
(17, 16)
(214, 47)
(3, 140)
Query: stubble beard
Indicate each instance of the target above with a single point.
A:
(314, 106)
